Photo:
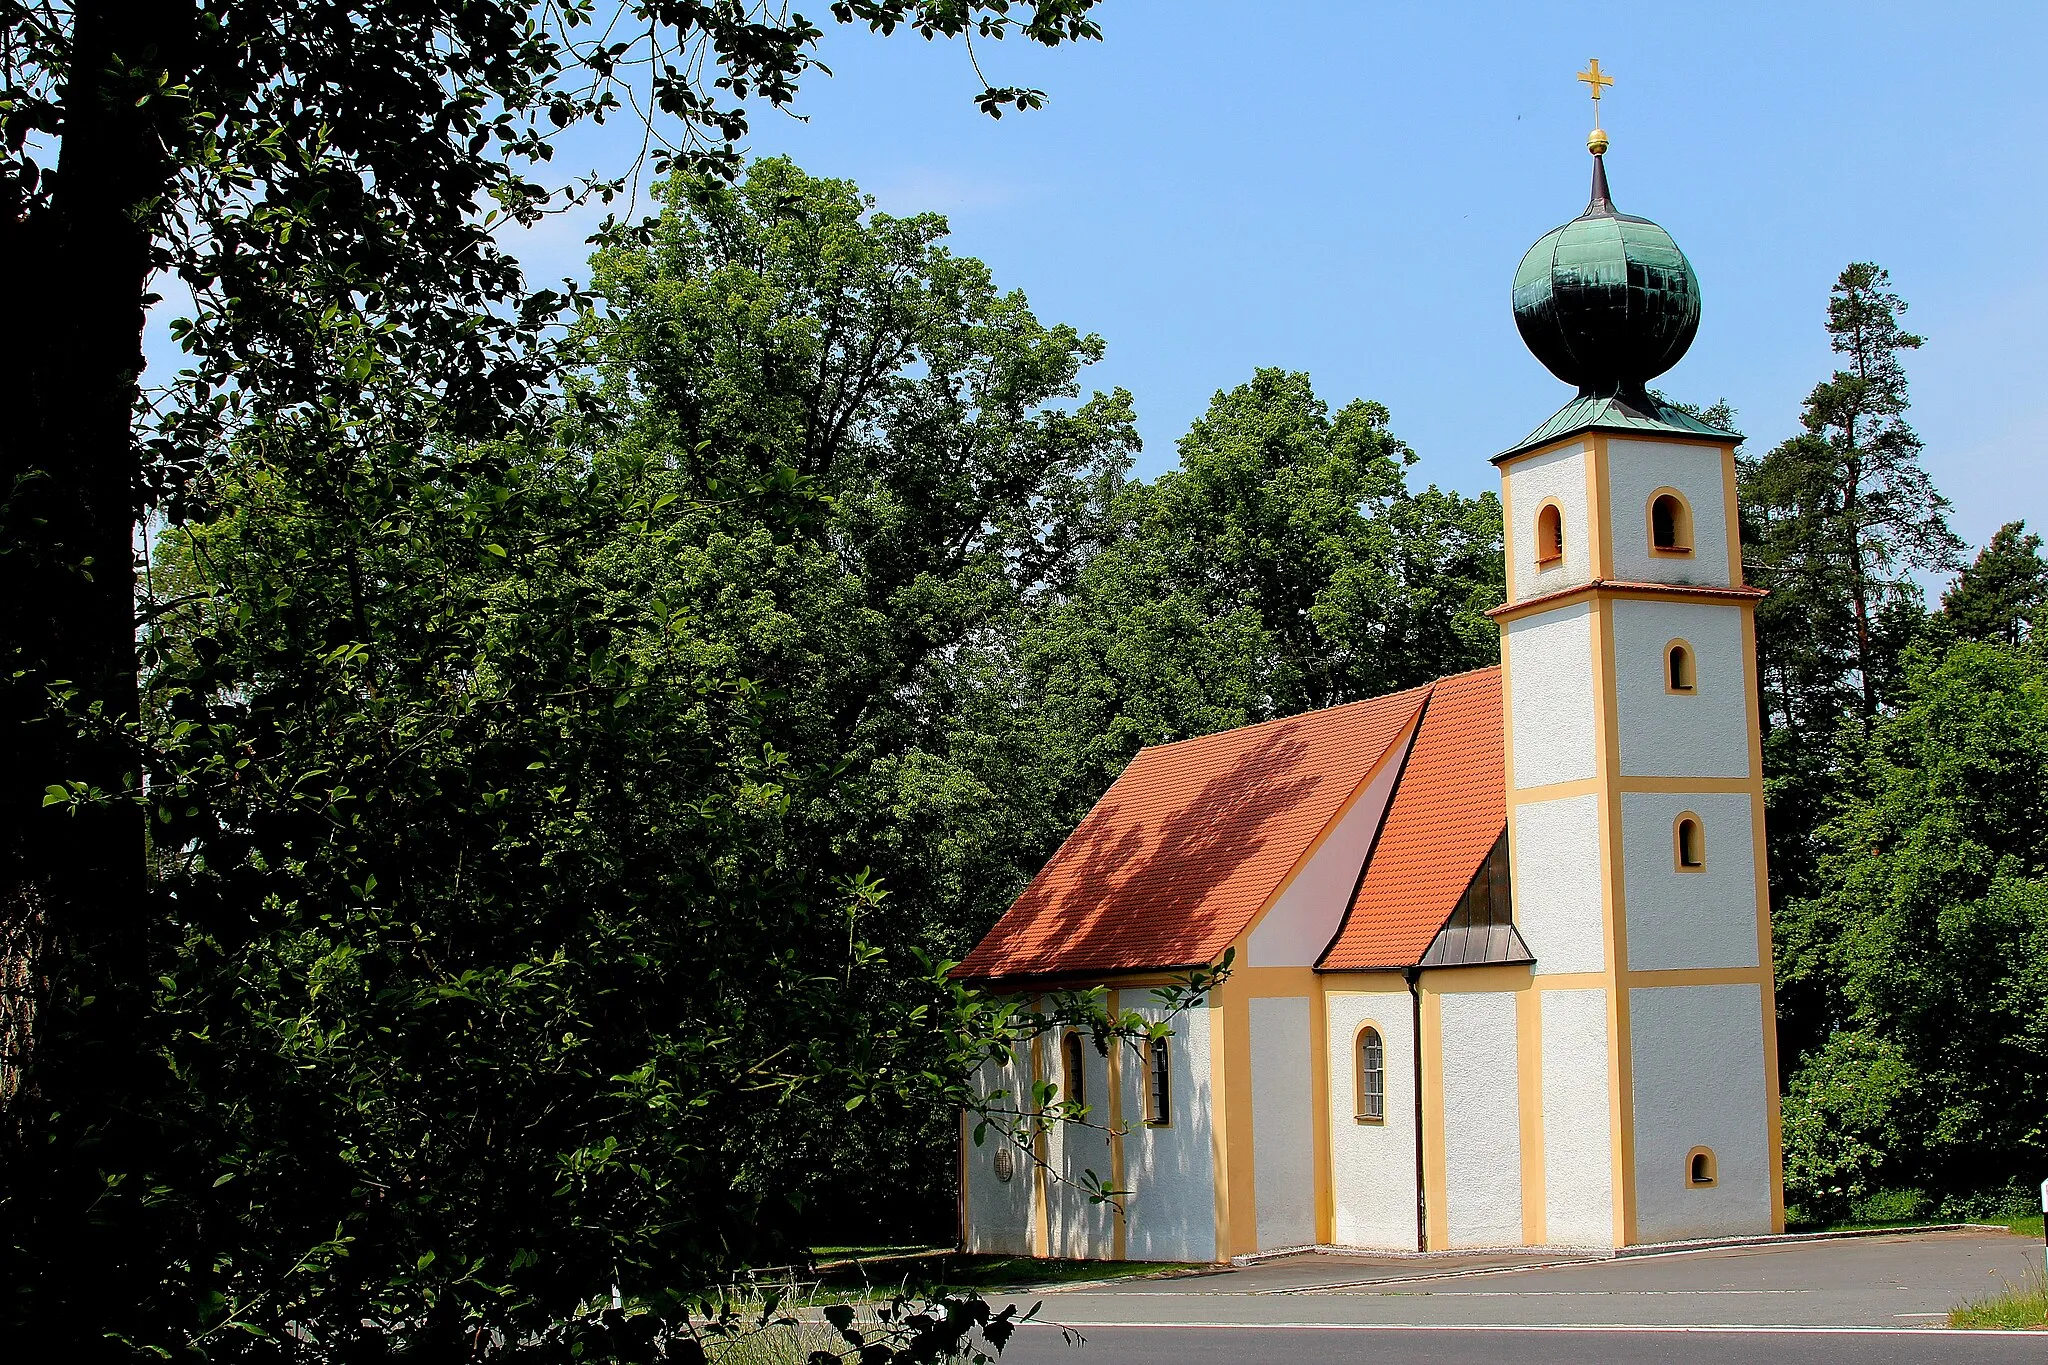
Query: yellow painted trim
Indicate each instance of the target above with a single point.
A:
(1243, 1186)
(1529, 1083)
(1629, 590)
(1695, 976)
(1593, 786)
(960, 1201)
(1599, 503)
(1507, 536)
(1765, 957)
(1507, 739)
(1119, 1212)
(1678, 862)
(1571, 981)
(1477, 980)
(1620, 1061)
(1731, 514)
(1435, 1164)
(1684, 528)
(1692, 668)
(1261, 983)
(1319, 1115)
(1713, 1170)
(1041, 1217)
(1220, 1096)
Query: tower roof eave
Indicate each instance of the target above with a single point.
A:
(1628, 415)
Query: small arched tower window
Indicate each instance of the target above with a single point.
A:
(1670, 523)
(1691, 843)
(1372, 1076)
(1699, 1167)
(1071, 1087)
(1549, 535)
(1158, 1084)
(1678, 668)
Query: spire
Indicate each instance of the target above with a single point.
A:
(1601, 202)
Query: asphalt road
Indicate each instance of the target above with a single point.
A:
(1523, 1346)
(1869, 1299)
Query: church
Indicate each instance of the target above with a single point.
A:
(1501, 944)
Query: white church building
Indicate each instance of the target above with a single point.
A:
(1502, 969)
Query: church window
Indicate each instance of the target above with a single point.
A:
(1699, 1167)
(1158, 1084)
(1678, 667)
(1692, 851)
(1549, 535)
(1372, 1076)
(1670, 523)
(1070, 1069)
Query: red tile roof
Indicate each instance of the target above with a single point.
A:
(1448, 810)
(1191, 842)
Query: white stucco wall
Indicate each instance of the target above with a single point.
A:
(1560, 474)
(1698, 1056)
(999, 1211)
(1556, 870)
(1482, 1120)
(1372, 1165)
(1697, 919)
(1635, 470)
(1667, 734)
(1299, 925)
(1549, 662)
(1079, 1228)
(1170, 1171)
(1283, 1123)
(1578, 1170)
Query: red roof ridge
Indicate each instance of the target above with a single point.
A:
(1298, 716)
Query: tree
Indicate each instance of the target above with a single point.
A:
(1842, 515)
(325, 182)
(1283, 566)
(1931, 940)
(1999, 595)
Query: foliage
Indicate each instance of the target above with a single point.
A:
(1999, 595)
(1929, 946)
(1283, 566)
(2017, 1307)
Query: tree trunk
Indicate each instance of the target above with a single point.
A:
(73, 899)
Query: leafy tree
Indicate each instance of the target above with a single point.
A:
(325, 183)
(1930, 942)
(1283, 566)
(1999, 595)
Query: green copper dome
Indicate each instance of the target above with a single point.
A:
(1607, 302)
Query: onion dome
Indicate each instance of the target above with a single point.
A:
(1607, 302)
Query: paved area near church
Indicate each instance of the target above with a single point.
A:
(1879, 1294)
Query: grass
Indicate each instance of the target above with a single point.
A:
(878, 1271)
(2019, 1307)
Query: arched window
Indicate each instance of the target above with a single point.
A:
(1691, 843)
(1670, 523)
(1549, 534)
(1158, 1084)
(1071, 1087)
(1678, 669)
(1372, 1076)
(1699, 1167)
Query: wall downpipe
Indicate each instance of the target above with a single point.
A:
(1414, 979)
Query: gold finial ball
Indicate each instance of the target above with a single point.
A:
(1596, 141)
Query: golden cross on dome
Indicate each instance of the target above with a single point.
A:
(1593, 76)
(1596, 141)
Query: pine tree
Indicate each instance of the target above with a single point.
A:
(1998, 596)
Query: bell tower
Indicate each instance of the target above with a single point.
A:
(1634, 766)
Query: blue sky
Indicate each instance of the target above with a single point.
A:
(1346, 188)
